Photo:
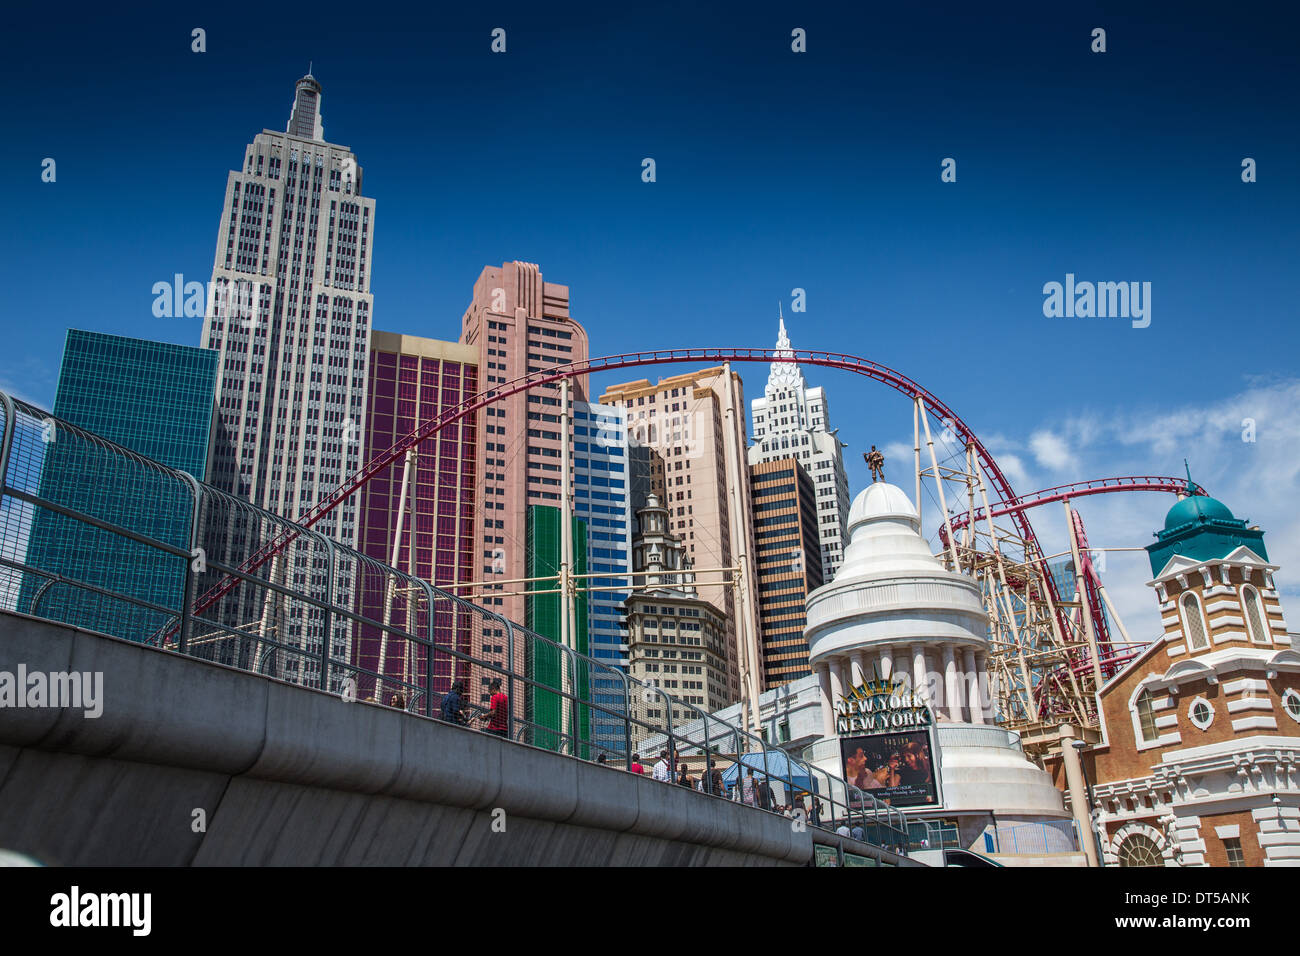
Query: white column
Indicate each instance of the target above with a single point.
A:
(974, 703)
(837, 678)
(858, 668)
(951, 692)
(824, 688)
(899, 668)
(918, 674)
(886, 664)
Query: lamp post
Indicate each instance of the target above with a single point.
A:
(1079, 746)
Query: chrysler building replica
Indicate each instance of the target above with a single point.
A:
(290, 316)
(792, 420)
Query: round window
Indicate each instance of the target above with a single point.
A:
(1291, 702)
(1201, 713)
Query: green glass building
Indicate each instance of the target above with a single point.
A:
(546, 711)
(156, 400)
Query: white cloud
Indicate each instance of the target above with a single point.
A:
(1051, 451)
(1258, 480)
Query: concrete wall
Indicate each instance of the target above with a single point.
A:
(288, 776)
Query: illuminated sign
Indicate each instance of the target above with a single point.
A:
(880, 706)
(895, 768)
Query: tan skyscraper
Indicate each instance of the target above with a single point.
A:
(519, 323)
(687, 422)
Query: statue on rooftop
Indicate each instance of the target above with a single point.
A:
(876, 462)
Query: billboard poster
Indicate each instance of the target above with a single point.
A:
(895, 768)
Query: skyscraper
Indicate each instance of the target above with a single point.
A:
(414, 379)
(600, 454)
(155, 399)
(788, 562)
(553, 719)
(793, 420)
(290, 316)
(519, 323)
(687, 422)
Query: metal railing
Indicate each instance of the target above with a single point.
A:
(95, 535)
(932, 835)
(1034, 838)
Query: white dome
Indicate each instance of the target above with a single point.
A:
(891, 589)
(885, 536)
(881, 499)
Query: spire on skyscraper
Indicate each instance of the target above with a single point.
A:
(305, 118)
(785, 373)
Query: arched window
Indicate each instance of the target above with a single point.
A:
(1254, 614)
(1147, 716)
(1194, 622)
(1138, 849)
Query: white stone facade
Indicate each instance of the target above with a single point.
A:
(895, 611)
(294, 247)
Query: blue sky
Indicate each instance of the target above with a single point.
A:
(775, 171)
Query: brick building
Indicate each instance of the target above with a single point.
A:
(1197, 763)
(518, 323)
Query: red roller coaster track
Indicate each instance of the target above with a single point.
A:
(837, 360)
(1078, 489)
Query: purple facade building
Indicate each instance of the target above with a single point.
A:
(411, 381)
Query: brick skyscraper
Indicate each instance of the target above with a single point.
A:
(519, 323)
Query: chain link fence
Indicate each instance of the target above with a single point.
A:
(94, 535)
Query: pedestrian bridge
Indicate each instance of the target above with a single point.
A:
(197, 763)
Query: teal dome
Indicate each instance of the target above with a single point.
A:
(1197, 508)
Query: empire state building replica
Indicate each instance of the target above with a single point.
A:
(293, 250)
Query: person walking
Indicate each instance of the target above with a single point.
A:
(661, 771)
(764, 793)
(858, 833)
(498, 720)
(747, 791)
(716, 786)
(636, 764)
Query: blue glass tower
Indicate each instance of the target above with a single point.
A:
(156, 400)
(600, 500)
(1062, 572)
